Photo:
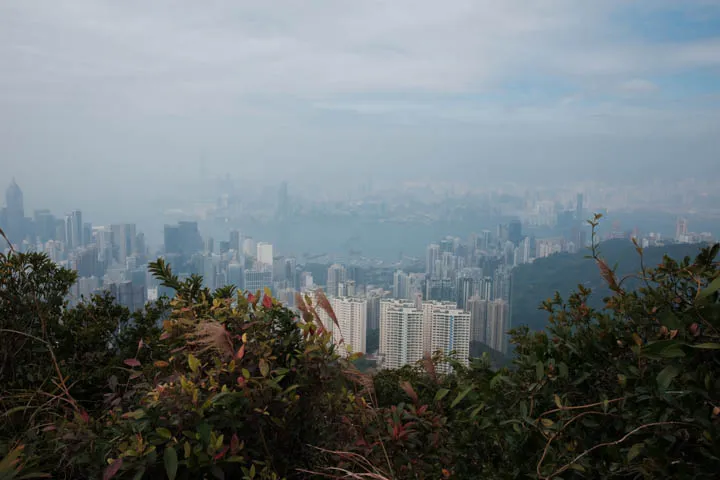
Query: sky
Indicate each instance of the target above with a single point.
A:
(123, 106)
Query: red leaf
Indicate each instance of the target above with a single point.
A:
(267, 301)
(234, 444)
(84, 415)
(240, 353)
(222, 453)
(112, 470)
(132, 362)
(252, 299)
(241, 381)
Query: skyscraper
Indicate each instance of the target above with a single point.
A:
(235, 241)
(257, 280)
(478, 309)
(74, 230)
(351, 315)
(264, 256)
(336, 275)
(465, 290)
(428, 310)
(124, 239)
(515, 232)
(451, 335)
(433, 255)
(400, 333)
(401, 285)
(681, 229)
(14, 213)
(498, 324)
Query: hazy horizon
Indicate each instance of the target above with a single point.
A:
(121, 107)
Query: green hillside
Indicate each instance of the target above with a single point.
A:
(535, 282)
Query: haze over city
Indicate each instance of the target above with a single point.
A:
(126, 109)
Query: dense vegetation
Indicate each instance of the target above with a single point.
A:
(234, 385)
(533, 283)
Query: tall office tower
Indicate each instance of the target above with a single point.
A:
(124, 238)
(264, 256)
(401, 333)
(401, 285)
(257, 280)
(128, 294)
(428, 309)
(502, 283)
(498, 319)
(373, 311)
(465, 290)
(351, 315)
(336, 275)
(486, 288)
(681, 229)
(14, 213)
(209, 245)
(74, 230)
(486, 239)
(183, 239)
(103, 240)
(291, 272)
(236, 275)
(433, 255)
(515, 232)
(283, 206)
(45, 225)
(579, 214)
(248, 247)
(235, 241)
(451, 335)
(478, 309)
(140, 249)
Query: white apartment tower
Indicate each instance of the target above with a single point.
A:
(401, 333)
(428, 308)
(351, 314)
(451, 334)
(336, 275)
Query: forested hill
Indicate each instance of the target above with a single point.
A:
(535, 282)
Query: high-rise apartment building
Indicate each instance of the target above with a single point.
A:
(401, 285)
(428, 310)
(465, 290)
(433, 255)
(401, 333)
(478, 309)
(336, 275)
(451, 335)
(74, 230)
(351, 315)
(498, 319)
(373, 310)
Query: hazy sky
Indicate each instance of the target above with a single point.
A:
(112, 104)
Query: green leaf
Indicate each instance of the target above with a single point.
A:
(635, 451)
(441, 394)
(264, 368)
(252, 471)
(164, 433)
(666, 376)
(558, 402)
(707, 346)
(547, 423)
(193, 363)
(712, 288)
(246, 373)
(539, 370)
(460, 396)
(563, 370)
(171, 462)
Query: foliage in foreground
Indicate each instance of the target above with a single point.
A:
(234, 385)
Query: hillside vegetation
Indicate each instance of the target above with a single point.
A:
(233, 385)
(533, 283)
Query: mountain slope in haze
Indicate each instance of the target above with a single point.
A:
(536, 282)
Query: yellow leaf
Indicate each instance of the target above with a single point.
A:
(547, 422)
(244, 337)
(264, 368)
(193, 363)
(558, 402)
(637, 339)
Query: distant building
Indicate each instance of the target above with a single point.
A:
(264, 256)
(478, 309)
(428, 310)
(401, 333)
(14, 214)
(433, 256)
(401, 285)
(257, 280)
(351, 314)
(515, 232)
(336, 275)
(124, 239)
(74, 230)
(183, 239)
(498, 324)
(129, 295)
(451, 335)
(465, 290)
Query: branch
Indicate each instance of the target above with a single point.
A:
(609, 444)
